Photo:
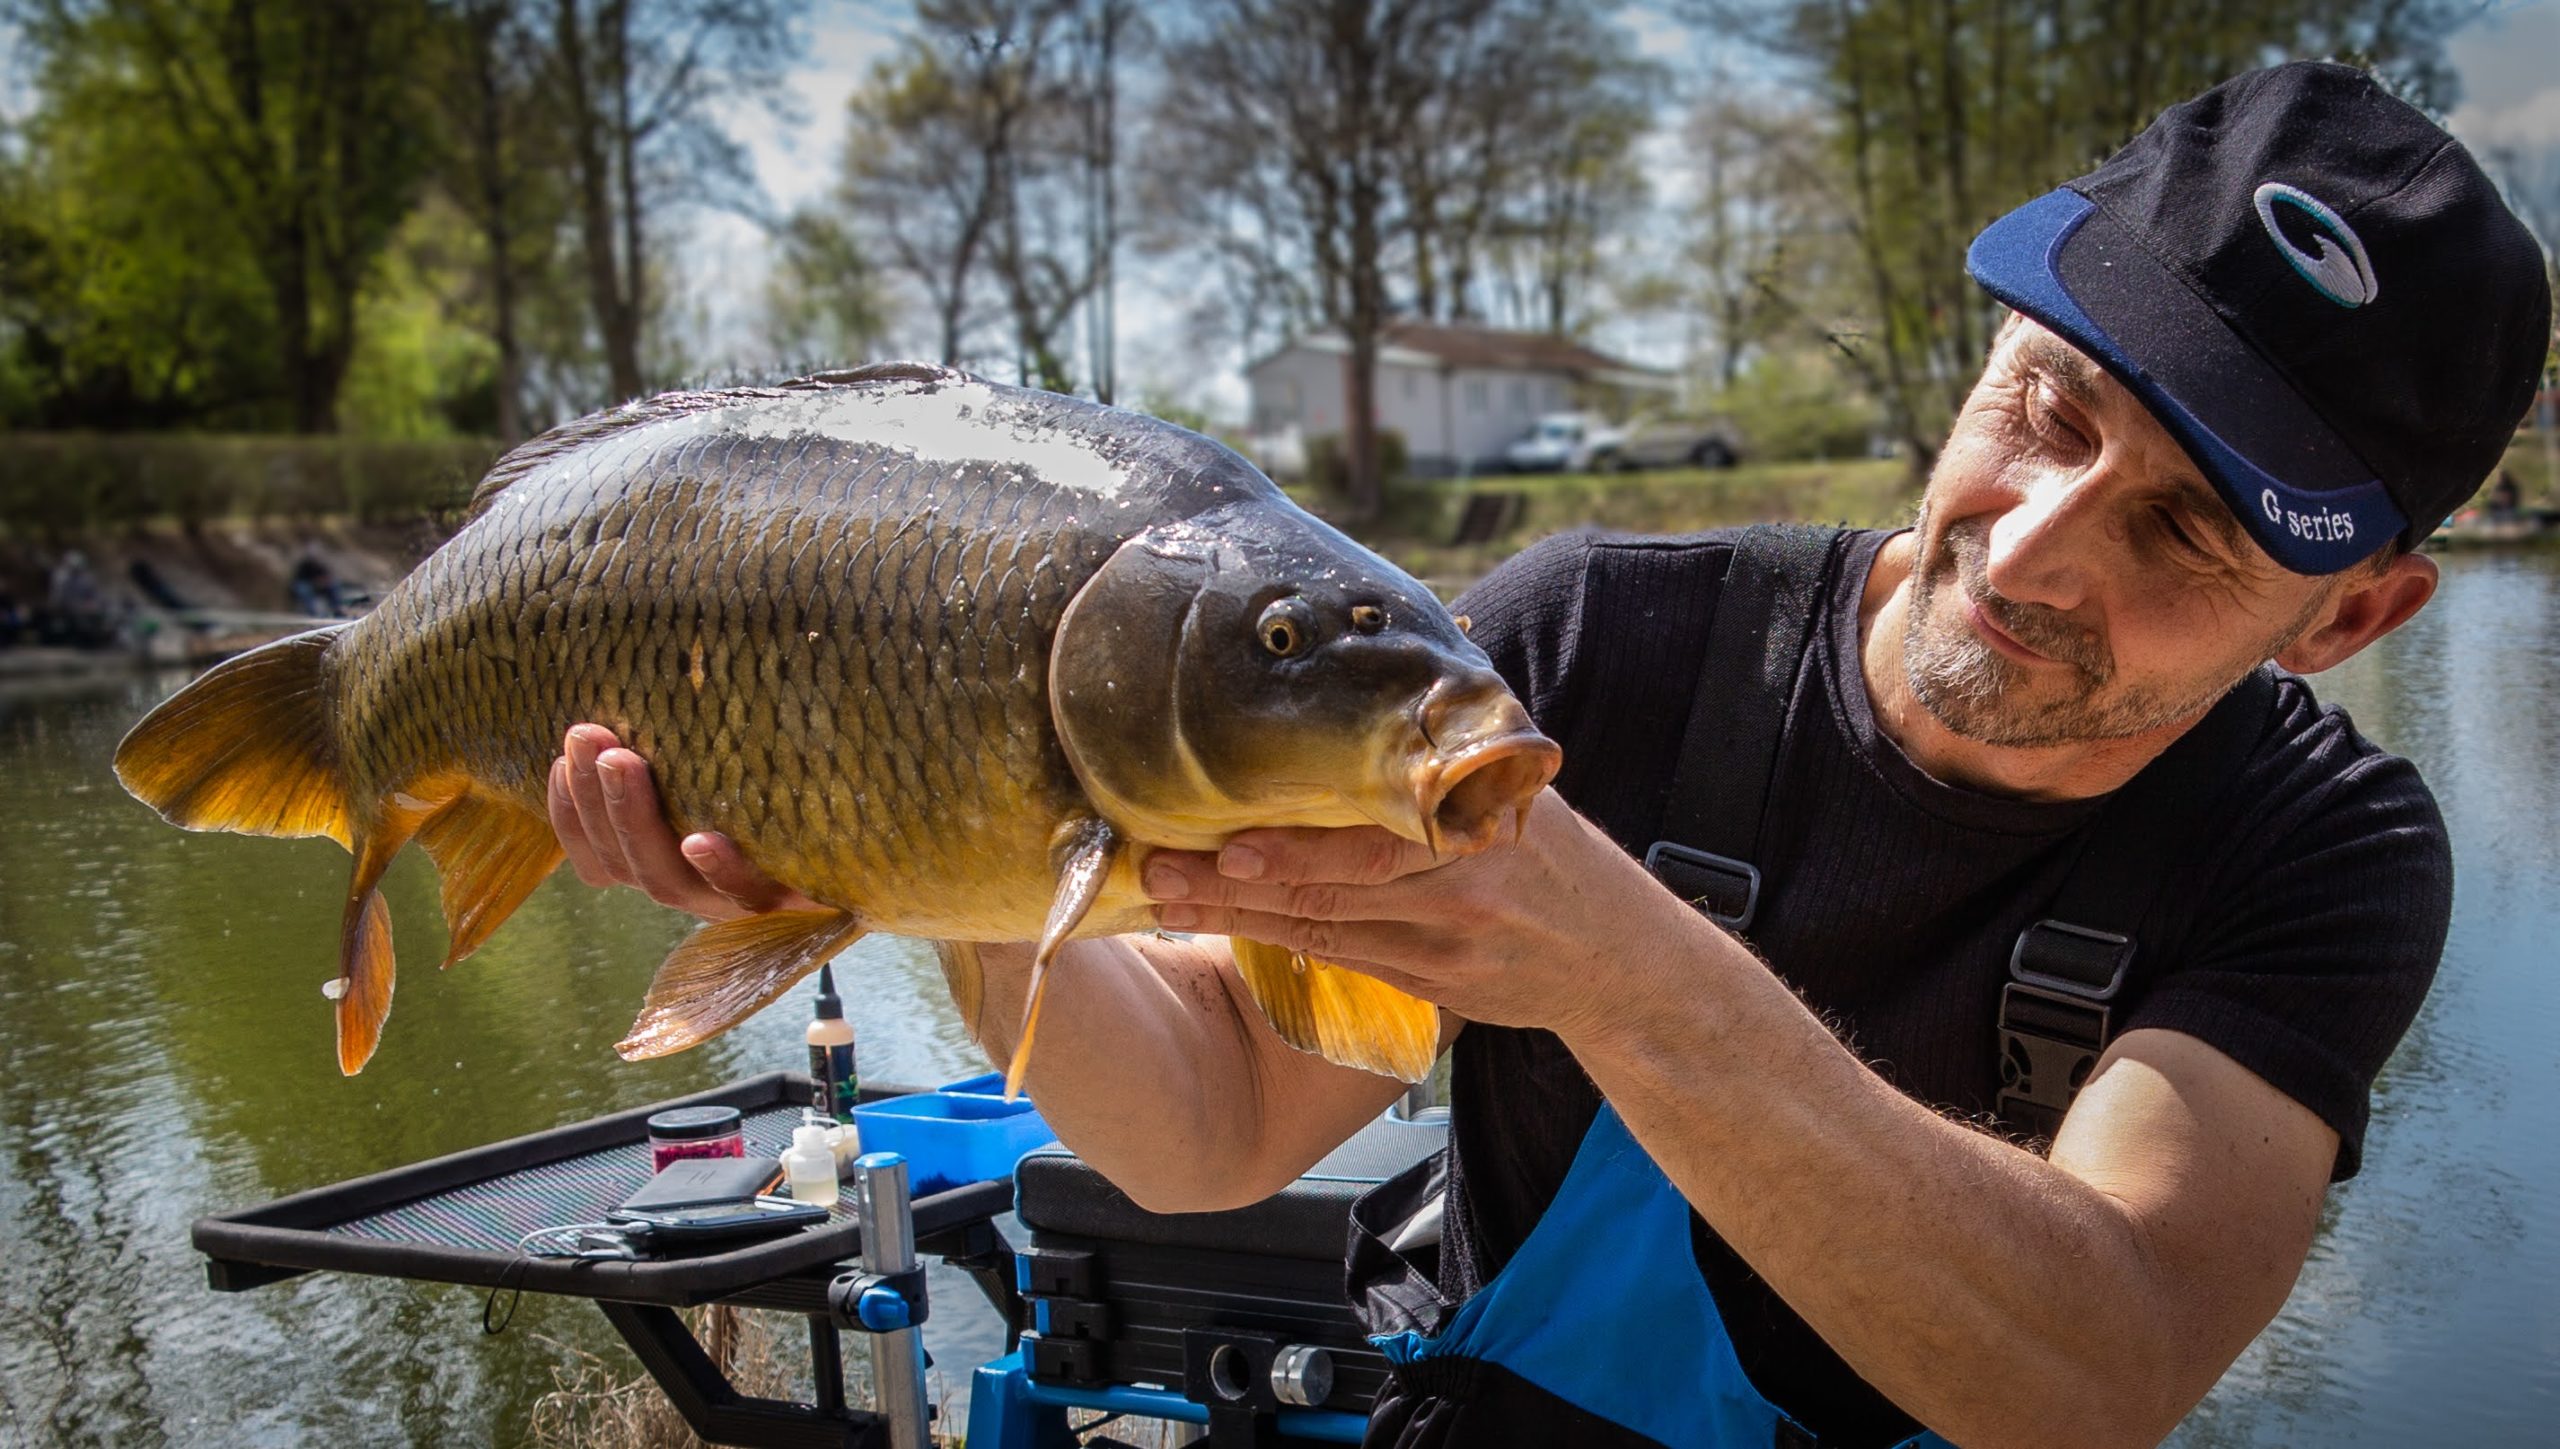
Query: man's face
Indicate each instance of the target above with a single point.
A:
(2077, 579)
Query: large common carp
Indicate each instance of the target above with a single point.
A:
(943, 655)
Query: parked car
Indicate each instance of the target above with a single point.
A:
(1564, 442)
(1677, 443)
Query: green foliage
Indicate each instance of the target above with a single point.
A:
(1790, 404)
(62, 485)
(1940, 115)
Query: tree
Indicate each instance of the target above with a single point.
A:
(497, 154)
(296, 113)
(822, 301)
(1943, 114)
(637, 82)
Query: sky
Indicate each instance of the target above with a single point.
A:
(2508, 62)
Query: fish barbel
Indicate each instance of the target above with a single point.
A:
(945, 656)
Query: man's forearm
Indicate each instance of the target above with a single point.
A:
(1156, 1069)
(1991, 1294)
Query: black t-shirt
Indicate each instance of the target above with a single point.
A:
(2297, 933)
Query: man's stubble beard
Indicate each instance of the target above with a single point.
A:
(1980, 694)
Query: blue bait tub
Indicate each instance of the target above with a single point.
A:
(961, 1133)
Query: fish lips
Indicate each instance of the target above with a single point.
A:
(1481, 765)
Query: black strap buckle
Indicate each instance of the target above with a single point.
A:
(2055, 1018)
(1725, 889)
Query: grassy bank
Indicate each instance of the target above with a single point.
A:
(1421, 526)
(59, 487)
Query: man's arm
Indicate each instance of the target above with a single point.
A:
(1999, 1297)
(1156, 1067)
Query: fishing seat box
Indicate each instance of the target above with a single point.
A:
(1118, 1295)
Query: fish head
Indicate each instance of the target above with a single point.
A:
(1254, 667)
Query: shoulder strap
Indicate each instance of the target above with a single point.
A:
(1729, 753)
(2067, 969)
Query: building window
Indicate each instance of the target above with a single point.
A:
(1475, 395)
(1519, 395)
(1412, 385)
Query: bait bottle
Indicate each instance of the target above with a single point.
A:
(810, 1166)
(830, 1039)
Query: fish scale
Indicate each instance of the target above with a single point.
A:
(913, 641)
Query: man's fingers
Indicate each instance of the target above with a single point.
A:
(586, 792)
(572, 831)
(1358, 855)
(726, 869)
(650, 852)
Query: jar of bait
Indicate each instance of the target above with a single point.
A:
(681, 1132)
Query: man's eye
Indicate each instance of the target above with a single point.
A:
(2050, 422)
(2175, 527)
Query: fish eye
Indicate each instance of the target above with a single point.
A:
(1286, 628)
(1368, 618)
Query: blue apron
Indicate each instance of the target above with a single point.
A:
(1601, 1329)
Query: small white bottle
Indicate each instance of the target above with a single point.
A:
(810, 1166)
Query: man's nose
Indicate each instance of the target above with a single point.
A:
(2047, 548)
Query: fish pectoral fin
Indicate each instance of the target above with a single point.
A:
(726, 972)
(249, 746)
(1087, 851)
(1339, 1014)
(965, 976)
(490, 854)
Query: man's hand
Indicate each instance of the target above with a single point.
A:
(1545, 932)
(605, 810)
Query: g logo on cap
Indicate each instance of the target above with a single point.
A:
(2274, 509)
(2341, 272)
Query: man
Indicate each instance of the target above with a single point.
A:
(1699, 1199)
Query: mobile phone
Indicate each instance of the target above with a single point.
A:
(706, 1222)
(702, 1181)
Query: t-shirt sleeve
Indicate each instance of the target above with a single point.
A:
(1527, 615)
(2335, 918)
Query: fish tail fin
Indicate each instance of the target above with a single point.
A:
(366, 966)
(725, 972)
(490, 853)
(249, 746)
(1339, 1014)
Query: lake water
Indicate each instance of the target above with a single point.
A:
(165, 1052)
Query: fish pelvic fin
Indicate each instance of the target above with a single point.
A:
(490, 853)
(1339, 1014)
(727, 971)
(1086, 851)
(249, 746)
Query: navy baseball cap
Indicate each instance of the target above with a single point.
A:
(2313, 288)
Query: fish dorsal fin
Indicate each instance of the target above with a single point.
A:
(726, 972)
(528, 457)
(1339, 1014)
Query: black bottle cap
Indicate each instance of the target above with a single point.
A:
(830, 1005)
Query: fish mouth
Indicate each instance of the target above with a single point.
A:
(1486, 763)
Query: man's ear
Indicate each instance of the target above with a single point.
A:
(2364, 611)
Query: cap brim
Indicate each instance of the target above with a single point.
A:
(2299, 490)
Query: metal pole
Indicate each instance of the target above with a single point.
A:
(889, 1246)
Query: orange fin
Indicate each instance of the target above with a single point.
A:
(365, 963)
(1089, 853)
(248, 746)
(722, 974)
(489, 854)
(966, 978)
(1339, 1014)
